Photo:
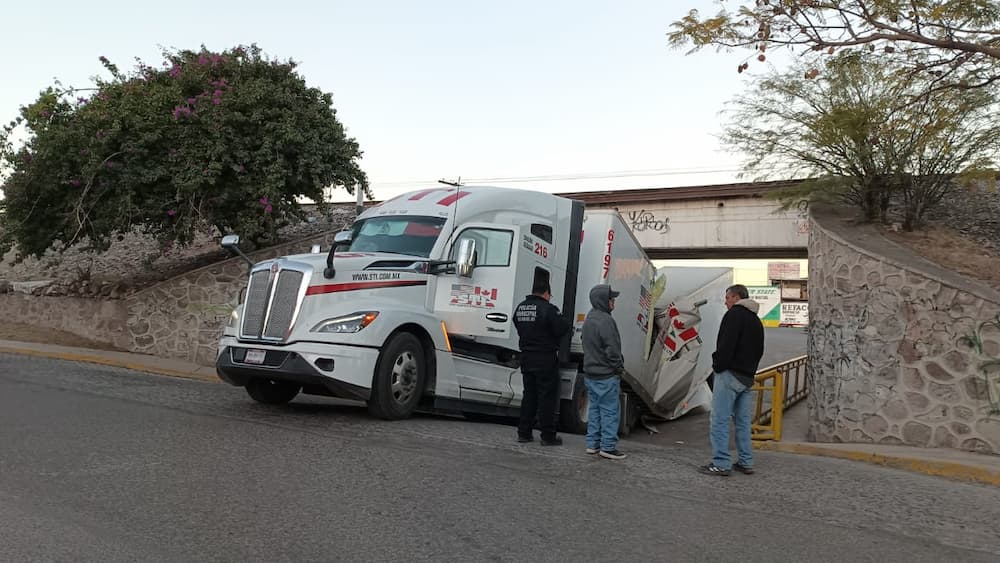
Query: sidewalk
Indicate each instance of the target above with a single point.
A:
(950, 464)
(137, 362)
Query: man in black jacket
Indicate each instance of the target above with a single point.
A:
(540, 327)
(735, 362)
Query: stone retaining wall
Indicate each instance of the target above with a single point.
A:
(100, 320)
(179, 318)
(184, 317)
(889, 362)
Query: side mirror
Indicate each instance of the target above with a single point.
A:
(343, 237)
(465, 262)
(340, 239)
(229, 242)
(232, 244)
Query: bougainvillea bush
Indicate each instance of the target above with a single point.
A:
(231, 140)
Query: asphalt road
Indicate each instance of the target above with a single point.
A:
(781, 344)
(104, 464)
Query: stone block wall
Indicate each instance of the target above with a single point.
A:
(890, 359)
(101, 320)
(183, 317)
(179, 318)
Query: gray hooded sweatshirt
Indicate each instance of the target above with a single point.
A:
(602, 345)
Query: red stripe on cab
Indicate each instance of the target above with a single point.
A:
(355, 286)
(452, 198)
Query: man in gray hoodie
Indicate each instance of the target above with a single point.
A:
(735, 362)
(602, 367)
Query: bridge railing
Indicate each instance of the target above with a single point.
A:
(777, 388)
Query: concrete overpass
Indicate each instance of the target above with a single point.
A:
(718, 221)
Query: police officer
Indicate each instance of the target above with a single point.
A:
(540, 328)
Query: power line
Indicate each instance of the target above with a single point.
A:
(577, 176)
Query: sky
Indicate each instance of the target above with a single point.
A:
(555, 96)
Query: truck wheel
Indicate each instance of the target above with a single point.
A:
(573, 413)
(272, 392)
(399, 378)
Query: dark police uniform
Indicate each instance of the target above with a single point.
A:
(540, 328)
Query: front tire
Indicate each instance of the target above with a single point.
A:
(272, 392)
(399, 379)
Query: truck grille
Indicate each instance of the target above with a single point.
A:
(272, 301)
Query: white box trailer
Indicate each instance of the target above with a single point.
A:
(689, 313)
(413, 309)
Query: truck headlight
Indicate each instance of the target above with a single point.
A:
(348, 323)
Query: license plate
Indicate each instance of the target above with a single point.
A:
(255, 356)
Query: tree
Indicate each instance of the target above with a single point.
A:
(847, 133)
(232, 139)
(957, 42)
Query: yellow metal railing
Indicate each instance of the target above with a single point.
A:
(786, 380)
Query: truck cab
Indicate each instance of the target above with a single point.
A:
(414, 308)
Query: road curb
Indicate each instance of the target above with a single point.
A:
(947, 469)
(113, 362)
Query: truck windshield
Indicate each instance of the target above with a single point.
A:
(414, 236)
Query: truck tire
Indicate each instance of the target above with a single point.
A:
(399, 378)
(573, 413)
(272, 392)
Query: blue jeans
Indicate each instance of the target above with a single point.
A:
(604, 412)
(730, 399)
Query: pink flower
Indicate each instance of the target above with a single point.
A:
(171, 212)
(192, 101)
(267, 209)
(216, 101)
(179, 111)
(75, 183)
(175, 71)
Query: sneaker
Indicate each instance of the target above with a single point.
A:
(592, 451)
(524, 439)
(712, 469)
(612, 454)
(553, 441)
(743, 469)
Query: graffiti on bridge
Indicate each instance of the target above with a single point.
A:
(643, 220)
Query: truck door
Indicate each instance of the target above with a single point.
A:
(481, 307)
(478, 311)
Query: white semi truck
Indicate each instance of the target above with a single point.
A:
(412, 309)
